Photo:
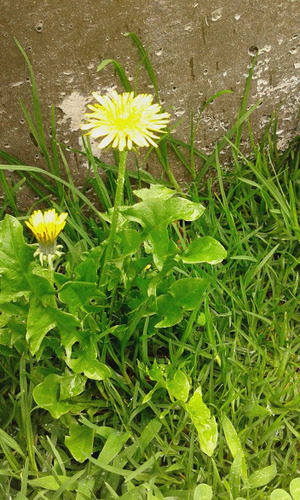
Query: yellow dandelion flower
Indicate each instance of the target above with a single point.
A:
(124, 120)
(46, 228)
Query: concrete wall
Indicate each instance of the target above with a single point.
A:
(196, 47)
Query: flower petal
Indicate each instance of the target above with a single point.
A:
(124, 120)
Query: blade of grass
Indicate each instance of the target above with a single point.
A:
(145, 60)
(243, 107)
(142, 174)
(67, 484)
(36, 102)
(24, 478)
(12, 160)
(268, 183)
(212, 98)
(228, 214)
(224, 141)
(9, 193)
(120, 72)
(26, 407)
(162, 154)
(56, 168)
(7, 443)
(27, 168)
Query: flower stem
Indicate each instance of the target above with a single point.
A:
(114, 222)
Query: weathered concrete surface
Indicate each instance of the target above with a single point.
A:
(196, 48)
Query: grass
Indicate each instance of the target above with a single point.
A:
(241, 346)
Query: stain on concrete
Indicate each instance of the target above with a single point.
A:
(73, 107)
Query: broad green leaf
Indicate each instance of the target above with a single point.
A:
(130, 241)
(39, 323)
(203, 492)
(188, 292)
(203, 421)
(183, 295)
(40, 281)
(86, 363)
(87, 270)
(262, 476)
(234, 445)
(49, 482)
(157, 372)
(71, 385)
(77, 293)
(68, 326)
(280, 494)
(160, 245)
(166, 307)
(4, 318)
(295, 488)
(16, 258)
(91, 368)
(155, 214)
(5, 337)
(155, 191)
(205, 249)
(14, 334)
(179, 386)
(47, 396)
(20, 273)
(160, 277)
(18, 308)
(80, 442)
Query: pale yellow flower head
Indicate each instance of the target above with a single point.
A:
(125, 121)
(46, 228)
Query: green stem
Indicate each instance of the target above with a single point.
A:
(114, 222)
